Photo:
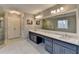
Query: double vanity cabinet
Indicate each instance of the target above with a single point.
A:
(53, 45)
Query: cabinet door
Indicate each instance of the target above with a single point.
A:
(58, 49)
(69, 51)
(78, 49)
(33, 37)
(48, 42)
(49, 49)
(29, 35)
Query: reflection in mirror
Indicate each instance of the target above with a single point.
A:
(64, 24)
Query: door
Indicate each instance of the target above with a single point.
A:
(13, 26)
(69, 51)
(49, 42)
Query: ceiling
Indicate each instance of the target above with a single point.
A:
(28, 8)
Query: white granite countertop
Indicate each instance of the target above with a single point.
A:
(63, 36)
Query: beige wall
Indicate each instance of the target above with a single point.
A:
(26, 27)
(30, 17)
(67, 7)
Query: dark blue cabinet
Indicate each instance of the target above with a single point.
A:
(54, 46)
(32, 37)
(35, 38)
(48, 44)
(78, 49)
(49, 49)
(60, 47)
(69, 51)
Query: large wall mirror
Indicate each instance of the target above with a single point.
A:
(64, 23)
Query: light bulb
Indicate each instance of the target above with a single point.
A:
(54, 11)
(58, 10)
(61, 8)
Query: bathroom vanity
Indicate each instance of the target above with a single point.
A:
(59, 32)
(55, 43)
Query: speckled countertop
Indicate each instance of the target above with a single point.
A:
(63, 36)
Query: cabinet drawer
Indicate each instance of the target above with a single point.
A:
(49, 49)
(67, 45)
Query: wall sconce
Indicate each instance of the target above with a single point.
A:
(14, 12)
(39, 16)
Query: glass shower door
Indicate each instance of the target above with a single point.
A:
(1, 30)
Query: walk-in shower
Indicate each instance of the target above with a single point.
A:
(1, 30)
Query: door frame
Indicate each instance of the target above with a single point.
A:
(20, 26)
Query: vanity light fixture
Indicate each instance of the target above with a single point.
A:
(53, 11)
(58, 10)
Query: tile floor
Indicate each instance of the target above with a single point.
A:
(22, 46)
